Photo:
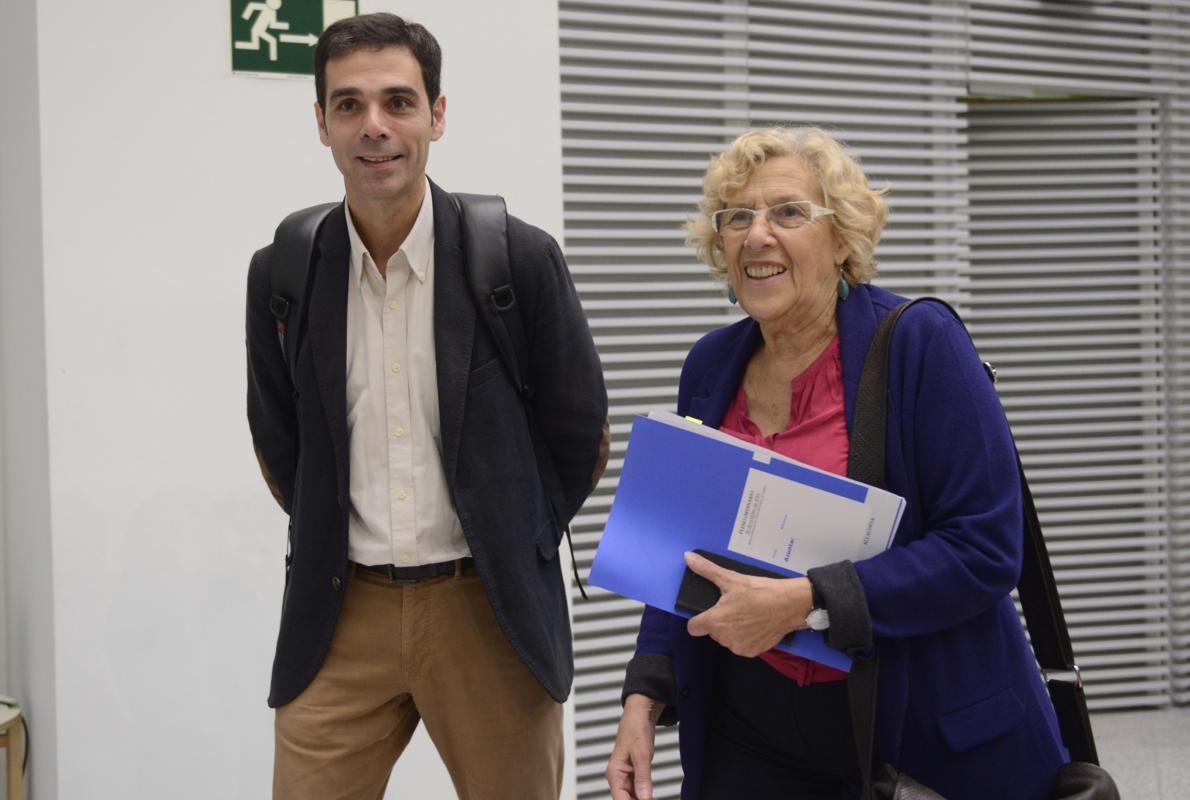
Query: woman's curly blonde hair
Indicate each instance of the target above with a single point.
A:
(860, 211)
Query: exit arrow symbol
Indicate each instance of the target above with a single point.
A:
(308, 39)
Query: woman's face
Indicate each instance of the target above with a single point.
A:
(781, 275)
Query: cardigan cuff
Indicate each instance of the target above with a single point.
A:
(652, 674)
(843, 595)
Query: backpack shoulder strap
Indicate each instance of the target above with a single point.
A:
(292, 265)
(489, 274)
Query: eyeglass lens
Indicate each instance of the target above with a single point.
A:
(786, 215)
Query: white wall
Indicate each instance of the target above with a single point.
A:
(28, 552)
(160, 173)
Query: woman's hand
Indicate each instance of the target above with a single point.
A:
(752, 614)
(629, 770)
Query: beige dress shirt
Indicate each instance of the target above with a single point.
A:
(401, 512)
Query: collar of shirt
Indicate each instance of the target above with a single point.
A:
(417, 249)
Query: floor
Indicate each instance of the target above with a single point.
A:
(1146, 752)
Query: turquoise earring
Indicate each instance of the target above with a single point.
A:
(731, 298)
(844, 288)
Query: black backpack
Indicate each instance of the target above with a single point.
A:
(489, 274)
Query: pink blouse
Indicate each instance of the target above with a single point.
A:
(817, 435)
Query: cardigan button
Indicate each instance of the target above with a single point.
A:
(685, 692)
(336, 583)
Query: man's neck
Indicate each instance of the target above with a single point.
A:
(384, 225)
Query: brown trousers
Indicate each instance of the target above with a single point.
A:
(401, 654)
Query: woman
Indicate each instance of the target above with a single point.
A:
(788, 222)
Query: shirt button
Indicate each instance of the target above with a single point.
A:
(398, 431)
(405, 559)
(392, 304)
(402, 494)
(396, 367)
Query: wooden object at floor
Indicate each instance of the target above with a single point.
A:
(12, 739)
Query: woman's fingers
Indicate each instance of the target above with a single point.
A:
(753, 614)
(630, 769)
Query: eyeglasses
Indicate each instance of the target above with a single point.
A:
(792, 214)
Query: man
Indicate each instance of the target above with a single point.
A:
(424, 582)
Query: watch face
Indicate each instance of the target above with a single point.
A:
(818, 620)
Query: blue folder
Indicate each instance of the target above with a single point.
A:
(678, 491)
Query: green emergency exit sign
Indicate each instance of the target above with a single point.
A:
(278, 36)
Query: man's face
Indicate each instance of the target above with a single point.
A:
(379, 123)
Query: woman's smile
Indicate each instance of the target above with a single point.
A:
(763, 271)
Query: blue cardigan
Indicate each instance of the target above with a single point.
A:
(961, 706)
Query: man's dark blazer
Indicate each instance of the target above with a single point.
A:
(299, 429)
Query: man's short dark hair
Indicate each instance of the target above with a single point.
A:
(377, 31)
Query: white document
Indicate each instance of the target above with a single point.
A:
(797, 525)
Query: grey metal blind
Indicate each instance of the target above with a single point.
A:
(645, 95)
(1077, 256)
(1066, 300)
(1076, 47)
(1176, 262)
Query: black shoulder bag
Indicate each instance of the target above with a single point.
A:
(1082, 779)
(484, 221)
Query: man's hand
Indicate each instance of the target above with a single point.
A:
(270, 482)
(629, 770)
(752, 614)
(605, 450)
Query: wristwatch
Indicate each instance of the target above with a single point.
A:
(818, 619)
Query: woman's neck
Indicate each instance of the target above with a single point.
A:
(788, 349)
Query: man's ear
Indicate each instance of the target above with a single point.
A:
(320, 118)
(438, 118)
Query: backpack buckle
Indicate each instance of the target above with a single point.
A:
(279, 306)
(503, 298)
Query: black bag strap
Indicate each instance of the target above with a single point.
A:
(1037, 589)
(865, 462)
(293, 261)
(489, 274)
